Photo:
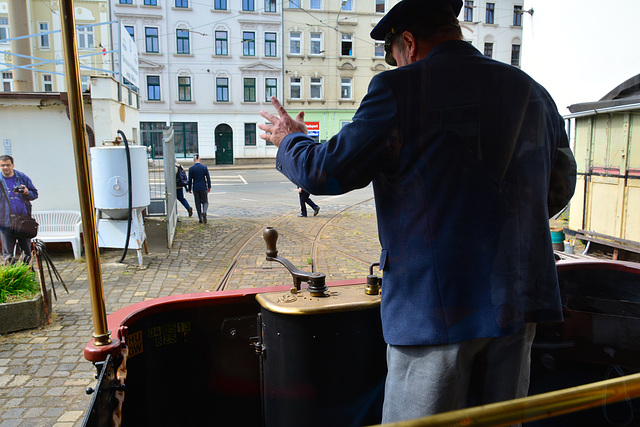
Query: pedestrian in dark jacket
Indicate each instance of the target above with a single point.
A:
(200, 184)
(19, 191)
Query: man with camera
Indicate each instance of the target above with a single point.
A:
(18, 193)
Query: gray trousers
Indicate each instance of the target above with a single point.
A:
(426, 380)
(201, 201)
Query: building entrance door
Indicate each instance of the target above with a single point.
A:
(224, 145)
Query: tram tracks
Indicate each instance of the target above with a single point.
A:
(254, 237)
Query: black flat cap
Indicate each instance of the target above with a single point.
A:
(409, 12)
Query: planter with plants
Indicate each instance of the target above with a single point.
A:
(21, 305)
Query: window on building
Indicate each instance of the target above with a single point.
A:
(270, 6)
(220, 4)
(85, 38)
(378, 49)
(7, 82)
(346, 47)
(249, 90)
(4, 30)
(152, 137)
(380, 6)
(270, 88)
(222, 43)
(315, 46)
(270, 44)
(85, 83)
(248, 43)
(184, 88)
(248, 5)
(47, 82)
(182, 3)
(295, 88)
(517, 16)
(490, 14)
(315, 4)
(182, 41)
(131, 31)
(488, 50)
(345, 88)
(250, 134)
(151, 40)
(347, 5)
(468, 11)
(153, 88)
(43, 40)
(222, 89)
(515, 55)
(315, 88)
(294, 3)
(125, 1)
(186, 138)
(295, 39)
(151, 2)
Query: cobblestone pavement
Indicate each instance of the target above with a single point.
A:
(43, 374)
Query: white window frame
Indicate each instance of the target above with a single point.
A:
(315, 82)
(375, 4)
(299, 39)
(85, 38)
(378, 49)
(319, 3)
(346, 83)
(295, 84)
(315, 37)
(7, 82)
(47, 83)
(348, 38)
(348, 5)
(43, 40)
(4, 30)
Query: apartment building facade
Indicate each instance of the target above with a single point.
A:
(330, 58)
(43, 52)
(207, 68)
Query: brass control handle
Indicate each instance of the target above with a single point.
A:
(317, 285)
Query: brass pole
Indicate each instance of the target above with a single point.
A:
(83, 174)
(535, 407)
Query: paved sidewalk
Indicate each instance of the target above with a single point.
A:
(43, 374)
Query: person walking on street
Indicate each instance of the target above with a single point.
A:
(304, 201)
(463, 151)
(19, 191)
(181, 182)
(200, 183)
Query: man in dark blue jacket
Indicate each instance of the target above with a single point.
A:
(200, 183)
(468, 158)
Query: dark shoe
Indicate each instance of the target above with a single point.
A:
(190, 211)
(316, 210)
(200, 221)
(302, 216)
(204, 218)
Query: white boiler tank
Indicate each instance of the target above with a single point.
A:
(110, 183)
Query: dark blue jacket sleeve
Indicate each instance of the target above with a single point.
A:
(353, 157)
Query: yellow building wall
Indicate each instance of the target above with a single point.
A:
(607, 197)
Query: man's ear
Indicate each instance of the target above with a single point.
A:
(409, 43)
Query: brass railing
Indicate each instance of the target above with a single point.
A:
(535, 407)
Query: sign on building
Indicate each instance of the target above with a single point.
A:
(313, 128)
(129, 54)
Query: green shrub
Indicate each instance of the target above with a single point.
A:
(17, 280)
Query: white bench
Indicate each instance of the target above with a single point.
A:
(60, 226)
